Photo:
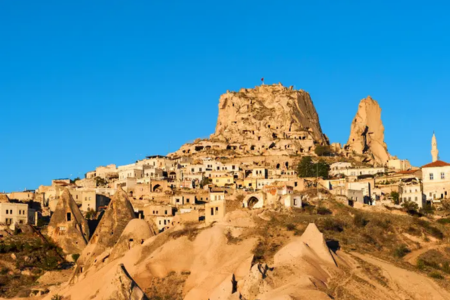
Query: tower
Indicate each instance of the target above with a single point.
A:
(434, 149)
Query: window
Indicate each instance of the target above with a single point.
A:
(212, 211)
(442, 175)
(165, 212)
(295, 183)
(217, 209)
(69, 216)
(7, 211)
(431, 176)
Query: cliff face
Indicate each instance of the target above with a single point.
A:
(267, 112)
(367, 133)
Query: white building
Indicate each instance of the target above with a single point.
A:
(337, 167)
(12, 214)
(436, 180)
(411, 190)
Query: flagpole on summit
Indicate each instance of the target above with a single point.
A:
(262, 80)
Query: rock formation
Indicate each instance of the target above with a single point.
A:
(4, 198)
(266, 120)
(67, 227)
(136, 232)
(124, 287)
(367, 133)
(109, 230)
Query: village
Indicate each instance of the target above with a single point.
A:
(265, 156)
(193, 185)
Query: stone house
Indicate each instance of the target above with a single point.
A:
(12, 214)
(106, 172)
(399, 164)
(339, 168)
(90, 175)
(142, 191)
(216, 195)
(226, 180)
(259, 173)
(436, 181)
(158, 210)
(24, 196)
(411, 190)
(292, 201)
(183, 199)
(130, 171)
(163, 222)
(216, 210)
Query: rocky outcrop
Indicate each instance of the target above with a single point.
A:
(367, 134)
(136, 232)
(67, 226)
(4, 198)
(266, 120)
(117, 216)
(124, 287)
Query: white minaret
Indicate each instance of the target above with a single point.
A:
(434, 149)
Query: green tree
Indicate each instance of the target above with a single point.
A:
(307, 168)
(395, 197)
(410, 206)
(73, 180)
(323, 150)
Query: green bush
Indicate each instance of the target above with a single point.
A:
(323, 150)
(401, 251)
(75, 257)
(395, 197)
(420, 264)
(436, 275)
(330, 224)
(290, 227)
(444, 221)
(323, 211)
(359, 220)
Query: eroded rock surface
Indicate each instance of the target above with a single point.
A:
(265, 120)
(68, 228)
(117, 216)
(367, 133)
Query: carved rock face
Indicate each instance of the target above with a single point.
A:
(367, 133)
(267, 112)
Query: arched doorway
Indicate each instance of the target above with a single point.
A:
(157, 188)
(252, 202)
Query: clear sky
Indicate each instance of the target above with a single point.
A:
(87, 83)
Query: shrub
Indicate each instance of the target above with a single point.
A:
(307, 168)
(444, 221)
(359, 220)
(330, 224)
(436, 275)
(410, 206)
(427, 210)
(433, 231)
(395, 197)
(75, 257)
(401, 251)
(323, 211)
(420, 264)
(290, 227)
(323, 150)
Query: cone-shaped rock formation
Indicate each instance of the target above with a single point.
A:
(110, 228)
(67, 226)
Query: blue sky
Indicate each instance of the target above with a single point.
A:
(89, 83)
